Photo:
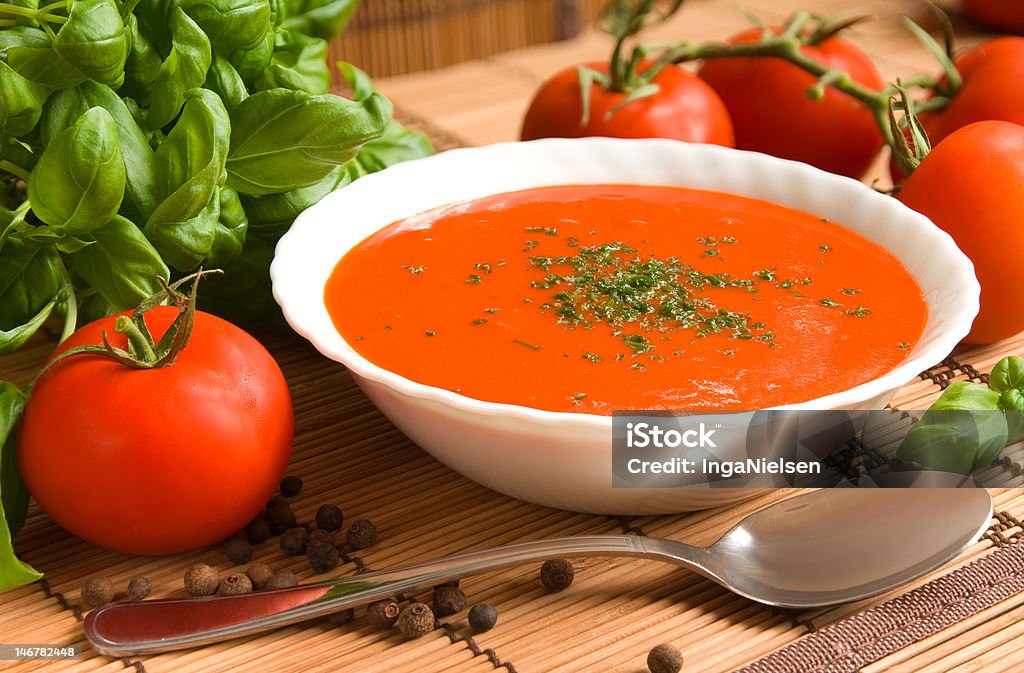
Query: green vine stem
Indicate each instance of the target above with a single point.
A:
(143, 352)
(41, 15)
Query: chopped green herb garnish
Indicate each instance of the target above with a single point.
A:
(577, 398)
(360, 338)
(474, 279)
(547, 231)
(491, 310)
(638, 343)
(480, 321)
(388, 327)
(825, 248)
(711, 252)
(728, 239)
(858, 312)
(707, 240)
(485, 267)
(593, 357)
(534, 347)
(829, 302)
(677, 352)
(903, 345)
(430, 333)
(414, 270)
(766, 274)
(530, 245)
(850, 291)
(729, 351)
(638, 365)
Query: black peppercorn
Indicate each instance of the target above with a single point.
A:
(362, 534)
(482, 617)
(282, 579)
(556, 574)
(318, 536)
(259, 574)
(238, 551)
(139, 587)
(665, 659)
(258, 530)
(415, 621)
(201, 580)
(322, 557)
(293, 541)
(232, 585)
(382, 614)
(281, 517)
(329, 517)
(448, 601)
(98, 591)
(290, 486)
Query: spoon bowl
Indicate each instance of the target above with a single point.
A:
(816, 549)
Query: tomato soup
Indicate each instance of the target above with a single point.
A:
(603, 297)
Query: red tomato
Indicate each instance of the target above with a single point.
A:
(988, 71)
(1005, 15)
(771, 113)
(684, 108)
(972, 187)
(162, 460)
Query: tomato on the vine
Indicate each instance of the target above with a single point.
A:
(1004, 15)
(161, 460)
(682, 108)
(772, 113)
(971, 185)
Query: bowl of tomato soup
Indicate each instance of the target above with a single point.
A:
(499, 304)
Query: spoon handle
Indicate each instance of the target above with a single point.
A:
(156, 626)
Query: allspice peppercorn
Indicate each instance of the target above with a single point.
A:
(319, 536)
(293, 541)
(201, 580)
(259, 574)
(665, 658)
(448, 601)
(280, 517)
(282, 579)
(482, 617)
(329, 517)
(362, 534)
(556, 574)
(97, 592)
(139, 587)
(382, 614)
(258, 530)
(238, 551)
(323, 557)
(232, 585)
(415, 621)
(290, 486)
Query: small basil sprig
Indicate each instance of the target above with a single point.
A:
(13, 496)
(970, 424)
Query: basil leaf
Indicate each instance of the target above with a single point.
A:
(121, 264)
(968, 396)
(21, 36)
(955, 440)
(231, 227)
(13, 494)
(231, 24)
(1008, 374)
(250, 63)
(42, 64)
(224, 80)
(284, 140)
(299, 62)
(13, 572)
(79, 181)
(30, 277)
(21, 102)
(184, 69)
(190, 162)
(273, 214)
(396, 145)
(242, 294)
(142, 66)
(94, 39)
(67, 105)
(320, 18)
(1012, 404)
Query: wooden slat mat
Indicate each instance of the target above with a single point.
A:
(348, 454)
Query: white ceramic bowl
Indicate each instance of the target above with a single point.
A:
(564, 459)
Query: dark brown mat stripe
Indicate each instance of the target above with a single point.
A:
(848, 645)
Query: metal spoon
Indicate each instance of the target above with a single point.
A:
(820, 548)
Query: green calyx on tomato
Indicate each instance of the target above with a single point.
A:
(628, 96)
